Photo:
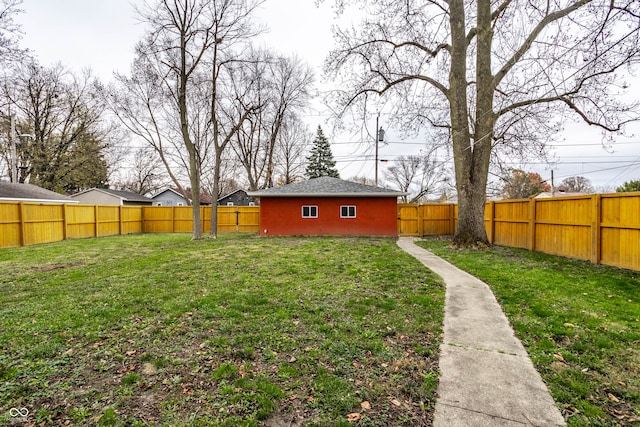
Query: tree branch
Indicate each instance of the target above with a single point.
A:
(517, 56)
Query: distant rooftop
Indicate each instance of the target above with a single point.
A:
(128, 196)
(326, 187)
(10, 191)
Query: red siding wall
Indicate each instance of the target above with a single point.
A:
(282, 216)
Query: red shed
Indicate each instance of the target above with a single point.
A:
(328, 206)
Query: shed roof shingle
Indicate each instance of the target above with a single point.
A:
(128, 196)
(14, 191)
(326, 187)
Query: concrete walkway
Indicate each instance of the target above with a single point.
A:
(487, 378)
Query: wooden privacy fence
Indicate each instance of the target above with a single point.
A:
(24, 223)
(601, 228)
(432, 219)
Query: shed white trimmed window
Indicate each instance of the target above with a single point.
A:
(309, 212)
(347, 211)
(229, 203)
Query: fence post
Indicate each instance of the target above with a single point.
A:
(120, 227)
(531, 244)
(65, 231)
(95, 220)
(452, 216)
(23, 229)
(492, 223)
(596, 229)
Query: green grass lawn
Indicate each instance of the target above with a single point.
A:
(237, 331)
(579, 322)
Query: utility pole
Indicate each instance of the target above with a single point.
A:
(14, 156)
(377, 137)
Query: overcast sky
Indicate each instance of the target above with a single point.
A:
(100, 34)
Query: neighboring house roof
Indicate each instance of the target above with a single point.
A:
(168, 190)
(127, 196)
(557, 193)
(31, 193)
(326, 187)
(232, 193)
(204, 198)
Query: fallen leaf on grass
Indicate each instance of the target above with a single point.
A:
(149, 369)
(353, 417)
(569, 325)
(131, 352)
(559, 357)
(69, 352)
(396, 402)
(612, 397)
(365, 405)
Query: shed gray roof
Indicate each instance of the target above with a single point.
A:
(326, 187)
(33, 193)
(128, 196)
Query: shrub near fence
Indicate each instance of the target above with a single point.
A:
(23, 224)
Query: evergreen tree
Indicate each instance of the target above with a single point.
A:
(320, 162)
(633, 185)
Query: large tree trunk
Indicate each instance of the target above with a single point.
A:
(194, 176)
(213, 229)
(194, 165)
(471, 153)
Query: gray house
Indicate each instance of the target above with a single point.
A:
(13, 192)
(106, 196)
(173, 197)
(169, 197)
(237, 198)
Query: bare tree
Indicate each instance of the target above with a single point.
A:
(490, 75)
(9, 31)
(417, 175)
(363, 180)
(291, 83)
(577, 184)
(179, 38)
(63, 119)
(249, 143)
(141, 104)
(188, 49)
(146, 174)
(281, 86)
(232, 29)
(232, 106)
(293, 144)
